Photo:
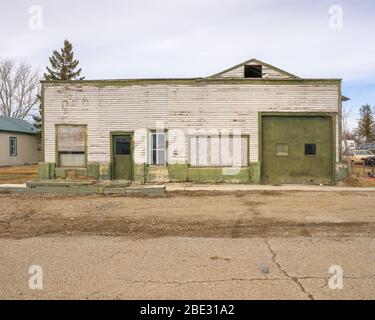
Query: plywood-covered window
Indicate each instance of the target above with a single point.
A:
(218, 151)
(71, 145)
(282, 149)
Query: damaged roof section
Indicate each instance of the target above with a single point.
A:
(254, 69)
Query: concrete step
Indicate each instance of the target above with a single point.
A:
(145, 189)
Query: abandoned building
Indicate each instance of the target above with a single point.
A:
(273, 126)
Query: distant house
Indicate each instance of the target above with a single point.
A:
(18, 142)
(252, 123)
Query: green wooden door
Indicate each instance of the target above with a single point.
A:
(122, 157)
(296, 149)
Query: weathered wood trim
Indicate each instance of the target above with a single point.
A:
(120, 133)
(197, 81)
(42, 90)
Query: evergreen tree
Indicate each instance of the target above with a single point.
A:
(63, 65)
(366, 123)
(37, 118)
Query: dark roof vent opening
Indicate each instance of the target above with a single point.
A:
(253, 71)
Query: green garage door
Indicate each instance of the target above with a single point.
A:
(296, 149)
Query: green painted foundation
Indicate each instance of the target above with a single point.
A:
(219, 175)
(104, 171)
(157, 174)
(46, 170)
(140, 173)
(170, 173)
(93, 170)
(60, 173)
(144, 173)
(255, 176)
(178, 172)
(342, 171)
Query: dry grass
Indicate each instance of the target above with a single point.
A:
(359, 177)
(20, 174)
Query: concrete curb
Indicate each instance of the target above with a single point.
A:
(84, 187)
(170, 187)
(233, 188)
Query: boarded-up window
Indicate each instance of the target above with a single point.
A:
(282, 149)
(218, 151)
(71, 145)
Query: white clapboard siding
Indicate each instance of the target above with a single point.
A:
(174, 106)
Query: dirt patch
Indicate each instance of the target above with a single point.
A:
(20, 174)
(253, 214)
(354, 181)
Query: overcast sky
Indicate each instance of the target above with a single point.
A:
(194, 38)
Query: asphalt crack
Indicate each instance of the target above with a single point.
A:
(296, 280)
(180, 283)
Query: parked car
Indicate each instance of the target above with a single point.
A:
(359, 156)
(367, 146)
(370, 162)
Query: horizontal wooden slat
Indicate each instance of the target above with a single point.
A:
(71, 138)
(174, 106)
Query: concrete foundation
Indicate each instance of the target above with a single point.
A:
(144, 173)
(341, 171)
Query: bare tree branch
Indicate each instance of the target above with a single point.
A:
(346, 112)
(19, 87)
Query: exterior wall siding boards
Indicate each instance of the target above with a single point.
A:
(212, 104)
(27, 152)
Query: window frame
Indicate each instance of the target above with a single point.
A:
(130, 147)
(151, 149)
(254, 66)
(57, 152)
(282, 155)
(14, 147)
(310, 155)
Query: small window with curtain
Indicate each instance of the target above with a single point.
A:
(71, 145)
(158, 148)
(13, 146)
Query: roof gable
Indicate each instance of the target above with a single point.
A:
(16, 125)
(268, 71)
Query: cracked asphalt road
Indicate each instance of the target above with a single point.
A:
(188, 245)
(96, 267)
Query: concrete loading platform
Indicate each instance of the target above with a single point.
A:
(87, 187)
